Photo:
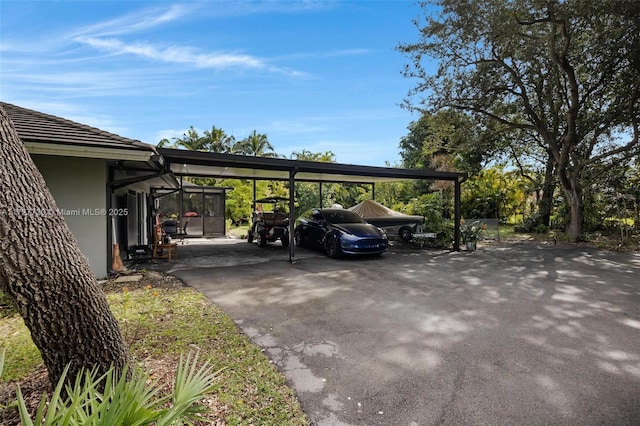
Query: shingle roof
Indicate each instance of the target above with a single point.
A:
(34, 126)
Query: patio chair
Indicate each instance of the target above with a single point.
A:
(170, 227)
(162, 249)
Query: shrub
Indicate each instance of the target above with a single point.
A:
(128, 398)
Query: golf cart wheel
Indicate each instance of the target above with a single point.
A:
(406, 234)
(250, 237)
(298, 239)
(331, 247)
(262, 240)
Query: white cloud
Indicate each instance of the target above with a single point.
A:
(186, 55)
(174, 54)
(134, 22)
(100, 36)
(326, 54)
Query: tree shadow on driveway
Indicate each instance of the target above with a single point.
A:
(521, 334)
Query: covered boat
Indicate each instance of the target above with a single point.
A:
(394, 223)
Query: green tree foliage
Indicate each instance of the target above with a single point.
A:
(396, 195)
(214, 140)
(446, 134)
(493, 193)
(612, 199)
(165, 143)
(434, 208)
(565, 73)
(306, 155)
(307, 194)
(238, 204)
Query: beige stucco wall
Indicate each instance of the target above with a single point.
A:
(78, 186)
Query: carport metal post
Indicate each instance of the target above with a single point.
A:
(292, 191)
(456, 226)
(253, 207)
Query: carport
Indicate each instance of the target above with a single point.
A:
(216, 165)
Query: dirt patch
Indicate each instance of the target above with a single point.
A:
(150, 279)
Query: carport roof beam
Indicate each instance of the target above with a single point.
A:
(196, 163)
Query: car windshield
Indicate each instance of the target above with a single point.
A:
(342, 216)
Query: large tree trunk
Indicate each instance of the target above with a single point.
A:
(573, 195)
(45, 274)
(545, 204)
(576, 216)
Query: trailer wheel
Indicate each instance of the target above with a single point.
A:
(405, 234)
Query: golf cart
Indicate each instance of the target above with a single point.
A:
(270, 224)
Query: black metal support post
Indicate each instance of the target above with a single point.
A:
(292, 192)
(456, 236)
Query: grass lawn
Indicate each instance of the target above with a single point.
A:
(160, 319)
(605, 241)
(238, 231)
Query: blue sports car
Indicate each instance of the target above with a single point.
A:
(339, 232)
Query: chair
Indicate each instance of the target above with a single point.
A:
(170, 227)
(280, 218)
(160, 247)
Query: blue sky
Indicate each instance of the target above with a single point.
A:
(320, 76)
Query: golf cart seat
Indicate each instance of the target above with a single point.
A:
(275, 218)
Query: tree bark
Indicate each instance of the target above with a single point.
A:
(574, 197)
(576, 216)
(46, 275)
(545, 204)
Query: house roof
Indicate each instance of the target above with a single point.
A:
(35, 127)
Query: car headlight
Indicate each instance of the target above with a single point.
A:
(348, 240)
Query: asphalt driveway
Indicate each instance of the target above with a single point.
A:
(521, 334)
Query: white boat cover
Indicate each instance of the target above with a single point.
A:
(371, 210)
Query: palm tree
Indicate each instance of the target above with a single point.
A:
(325, 157)
(219, 141)
(256, 144)
(192, 141)
(164, 143)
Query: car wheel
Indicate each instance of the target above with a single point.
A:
(406, 234)
(331, 247)
(250, 237)
(262, 240)
(298, 238)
